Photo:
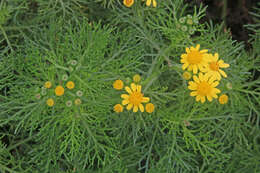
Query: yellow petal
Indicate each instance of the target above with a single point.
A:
(202, 99)
(209, 98)
(223, 73)
(215, 84)
(187, 50)
(184, 66)
(196, 79)
(128, 90)
(129, 106)
(192, 86)
(141, 107)
(183, 56)
(222, 64)
(145, 99)
(154, 3)
(133, 87)
(138, 88)
(124, 96)
(148, 2)
(201, 77)
(204, 51)
(198, 97)
(197, 47)
(135, 108)
(215, 57)
(193, 93)
(125, 102)
(195, 69)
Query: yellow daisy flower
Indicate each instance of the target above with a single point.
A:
(149, 107)
(118, 108)
(47, 84)
(118, 84)
(214, 65)
(128, 3)
(70, 85)
(135, 98)
(137, 78)
(223, 99)
(148, 3)
(50, 102)
(202, 87)
(59, 90)
(194, 59)
(186, 75)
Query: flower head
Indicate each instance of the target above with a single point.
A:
(73, 62)
(50, 102)
(135, 98)
(149, 107)
(70, 85)
(118, 84)
(118, 108)
(69, 103)
(64, 77)
(202, 87)
(186, 75)
(59, 90)
(223, 99)
(137, 78)
(79, 93)
(47, 84)
(77, 102)
(128, 3)
(214, 65)
(148, 3)
(194, 59)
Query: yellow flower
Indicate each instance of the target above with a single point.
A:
(135, 98)
(149, 107)
(118, 108)
(77, 102)
(137, 78)
(50, 102)
(47, 84)
(70, 85)
(194, 59)
(59, 90)
(186, 75)
(118, 84)
(148, 3)
(202, 87)
(128, 3)
(214, 65)
(223, 99)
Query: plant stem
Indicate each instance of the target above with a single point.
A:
(6, 38)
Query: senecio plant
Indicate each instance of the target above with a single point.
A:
(148, 88)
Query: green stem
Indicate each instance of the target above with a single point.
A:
(224, 12)
(6, 38)
(2, 167)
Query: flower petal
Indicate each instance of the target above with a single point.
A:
(193, 93)
(184, 66)
(187, 50)
(197, 47)
(128, 90)
(202, 99)
(145, 99)
(138, 88)
(209, 98)
(214, 84)
(125, 102)
(198, 97)
(192, 85)
(133, 87)
(124, 96)
(196, 79)
(195, 69)
(129, 106)
(141, 107)
(222, 73)
(135, 108)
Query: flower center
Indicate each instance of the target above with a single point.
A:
(194, 57)
(203, 88)
(135, 98)
(128, 1)
(214, 66)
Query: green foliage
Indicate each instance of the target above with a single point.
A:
(61, 41)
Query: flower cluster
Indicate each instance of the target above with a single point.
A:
(187, 23)
(134, 98)
(209, 69)
(129, 3)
